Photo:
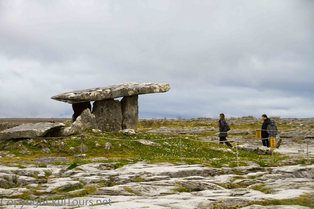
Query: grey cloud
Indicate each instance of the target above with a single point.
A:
(199, 47)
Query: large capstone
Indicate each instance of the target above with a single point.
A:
(129, 112)
(111, 92)
(108, 115)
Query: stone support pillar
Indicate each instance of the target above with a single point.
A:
(129, 107)
(108, 115)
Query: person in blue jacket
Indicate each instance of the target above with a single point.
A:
(272, 129)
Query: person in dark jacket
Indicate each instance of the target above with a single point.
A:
(223, 130)
(265, 139)
(272, 129)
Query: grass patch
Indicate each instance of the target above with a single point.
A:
(183, 189)
(305, 200)
(128, 189)
(261, 188)
(72, 166)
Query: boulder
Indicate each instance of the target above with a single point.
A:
(128, 132)
(149, 143)
(111, 92)
(85, 121)
(32, 131)
(78, 108)
(108, 115)
(46, 151)
(108, 145)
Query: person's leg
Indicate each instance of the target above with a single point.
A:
(222, 139)
(264, 142)
(267, 143)
(228, 143)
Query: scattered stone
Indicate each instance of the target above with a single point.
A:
(148, 143)
(197, 130)
(128, 132)
(30, 141)
(82, 147)
(96, 130)
(45, 151)
(99, 159)
(80, 156)
(48, 160)
(108, 146)
(25, 152)
(166, 143)
(10, 155)
(261, 150)
(221, 149)
(32, 131)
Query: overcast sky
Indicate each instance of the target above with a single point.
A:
(238, 57)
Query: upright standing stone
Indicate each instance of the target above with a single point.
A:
(108, 115)
(130, 112)
(78, 108)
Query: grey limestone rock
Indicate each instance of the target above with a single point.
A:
(111, 92)
(108, 145)
(149, 143)
(46, 150)
(78, 108)
(108, 115)
(85, 121)
(128, 132)
(32, 131)
(130, 112)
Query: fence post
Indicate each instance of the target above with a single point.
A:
(180, 149)
(307, 148)
(237, 152)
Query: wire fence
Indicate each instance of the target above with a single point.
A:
(234, 140)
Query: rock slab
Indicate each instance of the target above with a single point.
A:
(32, 131)
(111, 92)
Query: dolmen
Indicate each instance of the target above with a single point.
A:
(110, 115)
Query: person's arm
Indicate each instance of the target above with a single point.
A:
(221, 126)
(276, 131)
(268, 130)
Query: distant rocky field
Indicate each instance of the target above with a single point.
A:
(166, 163)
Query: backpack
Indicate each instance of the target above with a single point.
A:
(227, 127)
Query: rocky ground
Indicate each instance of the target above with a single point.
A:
(166, 185)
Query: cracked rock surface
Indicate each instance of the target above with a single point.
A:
(162, 185)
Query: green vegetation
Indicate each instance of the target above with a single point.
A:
(177, 149)
(174, 148)
(261, 188)
(304, 200)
